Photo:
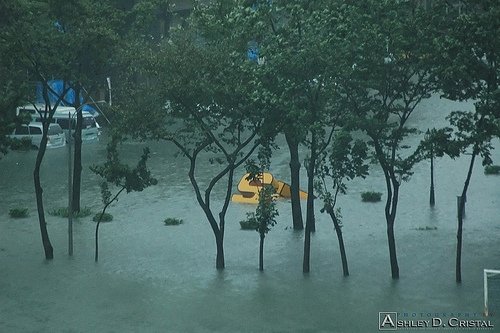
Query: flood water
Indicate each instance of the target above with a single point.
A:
(156, 278)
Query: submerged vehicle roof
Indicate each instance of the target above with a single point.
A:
(61, 111)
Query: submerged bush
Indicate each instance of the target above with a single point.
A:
(492, 170)
(426, 228)
(250, 223)
(21, 144)
(371, 196)
(18, 212)
(172, 221)
(106, 217)
(63, 212)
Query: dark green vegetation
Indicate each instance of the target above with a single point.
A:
(63, 212)
(18, 212)
(319, 72)
(102, 217)
(173, 221)
(23, 144)
(123, 177)
(250, 223)
(492, 170)
(426, 228)
(371, 196)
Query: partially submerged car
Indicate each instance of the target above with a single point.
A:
(65, 116)
(33, 131)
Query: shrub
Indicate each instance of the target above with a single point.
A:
(250, 223)
(106, 217)
(18, 212)
(21, 144)
(492, 170)
(426, 228)
(173, 221)
(371, 196)
(63, 212)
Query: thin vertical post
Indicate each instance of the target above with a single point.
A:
(70, 192)
(432, 199)
(485, 273)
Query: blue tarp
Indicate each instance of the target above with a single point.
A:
(58, 87)
(253, 51)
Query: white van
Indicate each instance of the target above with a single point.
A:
(33, 131)
(62, 116)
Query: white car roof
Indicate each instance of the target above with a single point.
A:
(39, 124)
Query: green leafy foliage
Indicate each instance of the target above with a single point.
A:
(437, 143)
(173, 221)
(63, 212)
(266, 212)
(371, 196)
(344, 160)
(102, 217)
(18, 212)
(23, 144)
(492, 170)
(105, 193)
(250, 223)
(121, 175)
(426, 228)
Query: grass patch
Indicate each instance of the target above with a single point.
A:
(172, 221)
(426, 228)
(250, 223)
(492, 170)
(23, 144)
(106, 217)
(371, 196)
(63, 212)
(18, 213)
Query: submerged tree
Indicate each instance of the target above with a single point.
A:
(342, 162)
(265, 215)
(26, 28)
(90, 32)
(384, 80)
(127, 179)
(201, 97)
(266, 211)
(295, 42)
(470, 51)
(437, 143)
(35, 31)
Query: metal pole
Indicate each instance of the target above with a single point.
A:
(108, 79)
(485, 283)
(432, 199)
(70, 191)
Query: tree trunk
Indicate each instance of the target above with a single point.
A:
(392, 251)
(390, 216)
(293, 147)
(47, 246)
(338, 230)
(307, 249)
(219, 261)
(261, 252)
(460, 214)
(96, 257)
(310, 225)
(310, 185)
(77, 163)
(217, 230)
(99, 222)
